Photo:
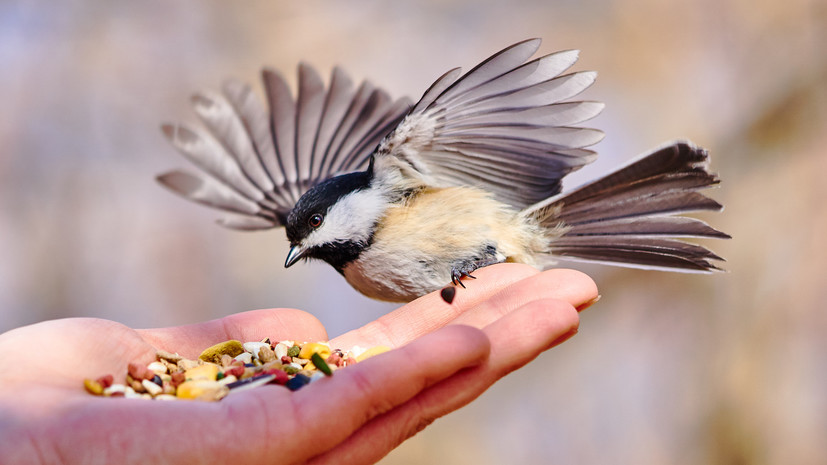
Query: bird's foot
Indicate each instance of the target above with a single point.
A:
(464, 269)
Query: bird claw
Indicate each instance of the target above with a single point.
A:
(458, 274)
(464, 268)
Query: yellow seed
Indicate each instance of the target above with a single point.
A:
(314, 347)
(201, 390)
(93, 387)
(371, 352)
(207, 371)
(213, 354)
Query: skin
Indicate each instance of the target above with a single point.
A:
(445, 356)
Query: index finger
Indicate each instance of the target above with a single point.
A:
(255, 325)
(498, 290)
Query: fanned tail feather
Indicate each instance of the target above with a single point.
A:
(627, 218)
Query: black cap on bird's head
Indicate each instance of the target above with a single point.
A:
(308, 224)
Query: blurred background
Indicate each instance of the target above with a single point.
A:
(667, 368)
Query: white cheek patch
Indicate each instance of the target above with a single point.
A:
(350, 219)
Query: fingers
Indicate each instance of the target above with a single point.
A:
(332, 409)
(499, 290)
(516, 339)
(569, 286)
(269, 423)
(430, 312)
(277, 324)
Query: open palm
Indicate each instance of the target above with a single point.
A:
(446, 355)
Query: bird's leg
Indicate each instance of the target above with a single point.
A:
(464, 268)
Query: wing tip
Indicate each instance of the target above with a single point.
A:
(179, 182)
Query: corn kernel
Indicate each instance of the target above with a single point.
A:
(207, 371)
(201, 390)
(371, 352)
(314, 347)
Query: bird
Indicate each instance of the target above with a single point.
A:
(405, 198)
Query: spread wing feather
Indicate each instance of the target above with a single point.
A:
(256, 164)
(504, 123)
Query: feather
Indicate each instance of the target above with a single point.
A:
(437, 88)
(674, 258)
(309, 108)
(503, 122)
(259, 164)
(534, 72)
(246, 223)
(212, 158)
(207, 191)
(627, 217)
(282, 125)
(563, 114)
(266, 172)
(538, 95)
(671, 226)
(336, 105)
(495, 66)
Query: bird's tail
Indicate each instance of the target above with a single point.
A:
(629, 217)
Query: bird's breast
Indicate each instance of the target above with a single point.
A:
(416, 243)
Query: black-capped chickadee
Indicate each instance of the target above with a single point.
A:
(403, 200)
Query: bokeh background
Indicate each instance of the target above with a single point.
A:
(667, 368)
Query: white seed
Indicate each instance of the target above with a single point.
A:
(246, 357)
(157, 368)
(152, 388)
(114, 389)
(254, 347)
(356, 351)
(227, 380)
(259, 381)
(281, 350)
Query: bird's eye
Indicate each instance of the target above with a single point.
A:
(315, 221)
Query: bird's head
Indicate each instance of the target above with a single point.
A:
(334, 221)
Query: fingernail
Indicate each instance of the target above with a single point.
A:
(565, 337)
(588, 304)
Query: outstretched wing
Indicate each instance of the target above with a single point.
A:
(505, 127)
(256, 164)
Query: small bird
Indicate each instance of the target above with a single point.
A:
(404, 199)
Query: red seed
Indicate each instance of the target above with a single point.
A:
(178, 378)
(334, 359)
(139, 372)
(281, 376)
(106, 381)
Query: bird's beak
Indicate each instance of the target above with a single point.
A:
(297, 252)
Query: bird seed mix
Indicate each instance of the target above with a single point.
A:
(228, 367)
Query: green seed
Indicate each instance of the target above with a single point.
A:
(320, 364)
(290, 369)
(294, 351)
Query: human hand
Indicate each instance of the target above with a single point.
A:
(446, 356)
